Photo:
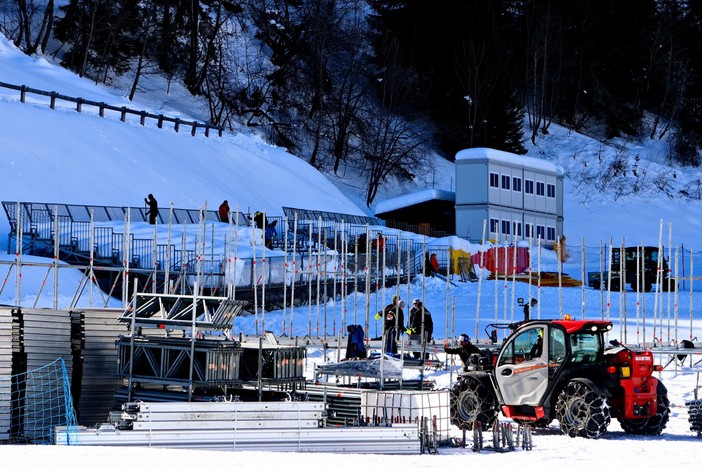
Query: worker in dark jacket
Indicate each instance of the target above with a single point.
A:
(152, 212)
(419, 316)
(465, 350)
(393, 316)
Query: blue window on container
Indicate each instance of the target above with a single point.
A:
(505, 182)
(529, 186)
(516, 184)
(540, 188)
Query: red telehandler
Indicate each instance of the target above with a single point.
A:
(561, 369)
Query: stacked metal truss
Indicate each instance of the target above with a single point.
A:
(272, 426)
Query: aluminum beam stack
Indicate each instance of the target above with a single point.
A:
(95, 332)
(236, 426)
(6, 349)
(46, 336)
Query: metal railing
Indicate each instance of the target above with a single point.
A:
(122, 110)
(331, 250)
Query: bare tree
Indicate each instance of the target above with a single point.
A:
(543, 49)
(33, 37)
(391, 146)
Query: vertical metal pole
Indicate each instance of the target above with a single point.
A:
(259, 373)
(583, 274)
(294, 274)
(309, 279)
(319, 275)
(602, 280)
(335, 268)
(125, 255)
(505, 284)
(692, 286)
(675, 294)
(355, 280)
(609, 279)
(229, 272)
(669, 280)
(18, 256)
(368, 283)
(622, 293)
(640, 287)
(91, 275)
(254, 279)
(325, 269)
(131, 342)
(480, 278)
(236, 253)
(213, 284)
(183, 260)
(344, 243)
(154, 258)
(193, 332)
(642, 273)
(285, 276)
(496, 291)
(57, 236)
(264, 278)
(659, 283)
(531, 267)
(167, 266)
(514, 272)
(560, 258)
(200, 248)
(538, 281)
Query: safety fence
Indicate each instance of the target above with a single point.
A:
(123, 111)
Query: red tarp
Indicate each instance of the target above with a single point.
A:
(502, 261)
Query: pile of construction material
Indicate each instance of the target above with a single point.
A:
(292, 426)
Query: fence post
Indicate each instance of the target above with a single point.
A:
(53, 100)
(102, 109)
(194, 130)
(123, 117)
(177, 124)
(160, 121)
(143, 117)
(220, 131)
(23, 93)
(207, 130)
(79, 104)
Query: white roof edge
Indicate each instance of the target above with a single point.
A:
(506, 157)
(413, 198)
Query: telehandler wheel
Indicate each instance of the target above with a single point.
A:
(581, 411)
(655, 424)
(472, 401)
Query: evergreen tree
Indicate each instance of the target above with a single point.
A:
(457, 52)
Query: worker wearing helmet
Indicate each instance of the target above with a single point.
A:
(465, 350)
